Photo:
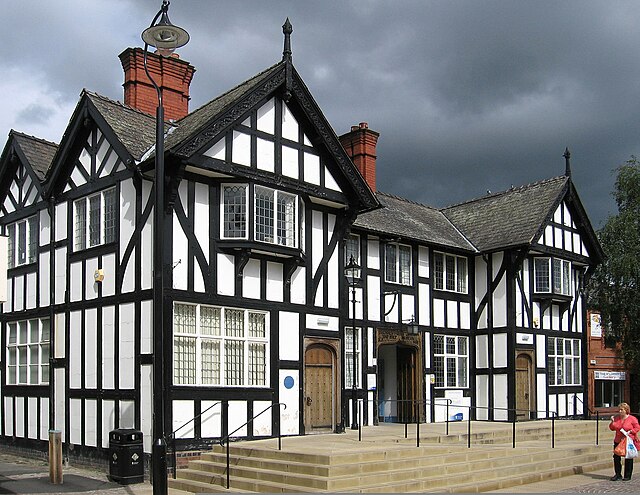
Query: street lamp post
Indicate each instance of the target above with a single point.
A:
(351, 272)
(165, 37)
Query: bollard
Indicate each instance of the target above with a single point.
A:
(55, 457)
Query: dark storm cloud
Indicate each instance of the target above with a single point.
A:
(467, 95)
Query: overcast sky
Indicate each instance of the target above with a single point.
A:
(468, 96)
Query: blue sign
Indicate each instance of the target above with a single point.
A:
(288, 381)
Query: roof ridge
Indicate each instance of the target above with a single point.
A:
(255, 76)
(406, 200)
(506, 191)
(35, 138)
(120, 104)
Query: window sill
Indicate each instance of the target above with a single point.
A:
(232, 246)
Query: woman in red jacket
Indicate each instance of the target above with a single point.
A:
(623, 421)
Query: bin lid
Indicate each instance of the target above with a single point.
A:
(125, 435)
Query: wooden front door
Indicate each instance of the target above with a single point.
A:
(525, 398)
(319, 384)
(406, 361)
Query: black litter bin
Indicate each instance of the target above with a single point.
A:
(126, 463)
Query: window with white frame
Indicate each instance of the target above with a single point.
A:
(219, 346)
(95, 219)
(22, 242)
(552, 275)
(450, 272)
(28, 352)
(275, 215)
(563, 361)
(397, 263)
(350, 355)
(352, 248)
(451, 361)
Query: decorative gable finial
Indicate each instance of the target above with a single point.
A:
(287, 29)
(567, 161)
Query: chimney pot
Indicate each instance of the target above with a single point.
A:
(360, 144)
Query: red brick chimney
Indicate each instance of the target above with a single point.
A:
(360, 145)
(170, 73)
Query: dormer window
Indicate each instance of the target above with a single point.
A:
(552, 276)
(275, 215)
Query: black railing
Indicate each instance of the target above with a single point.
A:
(228, 436)
(172, 435)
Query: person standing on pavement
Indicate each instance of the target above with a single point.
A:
(623, 421)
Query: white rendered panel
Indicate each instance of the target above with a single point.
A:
(288, 388)
(32, 417)
(127, 214)
(290, 166)
(555, 317)
(61, 221)
(183, 411)
(146, 405)
(541, 348)
(128, 280)
(18, 295)
(238, 417)
(108, 347)
(8, 416)
(322, 322)
(553, 405)
(500, 350)
(438, 313)
(541, 391)
(109, 164)
(562, 404)
(265, 155)
(427, 352)
(201, 218)
(289, 124)
(91, 286)
(127, 413)
(482, 397)
(373, 254)
(481, 289)
(126, 361)
(267, 117)
(565, 319)
(45, 228)
(91, 348)
(566, 219)
(371, 361)
(251, 279)
(44, 418)
(75, 358)
(262, 424)
(333, 270)
(59, 398)
(241, 151)
(499, 294)
(91, 422)
(289, 338)
(312, 168)
(8, 305)
(482, 351)
(329, 181)
(500, 395)
(557, 215)
(217, 150)
(465, 315)
(180, 255)
(146, 321)
(452, 314)
(108, 284)
(373, 298)
(546, 318)
(298, 291)
(146, 243)
(108, 420)
(226, 275)
(408, 307)
(275, 282)
(77, 283)
(32, 287)
(211, 419)
(20, 426)
(75, 411)
(59, 350)
(557, 237)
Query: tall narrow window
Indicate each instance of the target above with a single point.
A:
(11, 248)
(351, 353)
(397, 263)
(95, 219)
(234, 199)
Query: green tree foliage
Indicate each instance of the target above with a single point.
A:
(615, 286)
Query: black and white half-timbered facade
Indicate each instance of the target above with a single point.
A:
(477, 306)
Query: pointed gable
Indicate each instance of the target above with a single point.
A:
(25, 162)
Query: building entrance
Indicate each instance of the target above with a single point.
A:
(320, 387)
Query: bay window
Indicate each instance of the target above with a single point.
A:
(552, 275)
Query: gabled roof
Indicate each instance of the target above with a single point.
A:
(38, 152)
(510, 218)
(407, 219)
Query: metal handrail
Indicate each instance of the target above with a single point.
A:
(228, 436)
(172, 434)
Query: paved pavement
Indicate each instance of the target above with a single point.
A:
(20, 475)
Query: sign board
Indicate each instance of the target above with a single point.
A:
(596, 327)
(609, 375)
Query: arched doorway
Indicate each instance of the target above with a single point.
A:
(525, 395)
(320, 400)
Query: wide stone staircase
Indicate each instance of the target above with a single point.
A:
(381, 459)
